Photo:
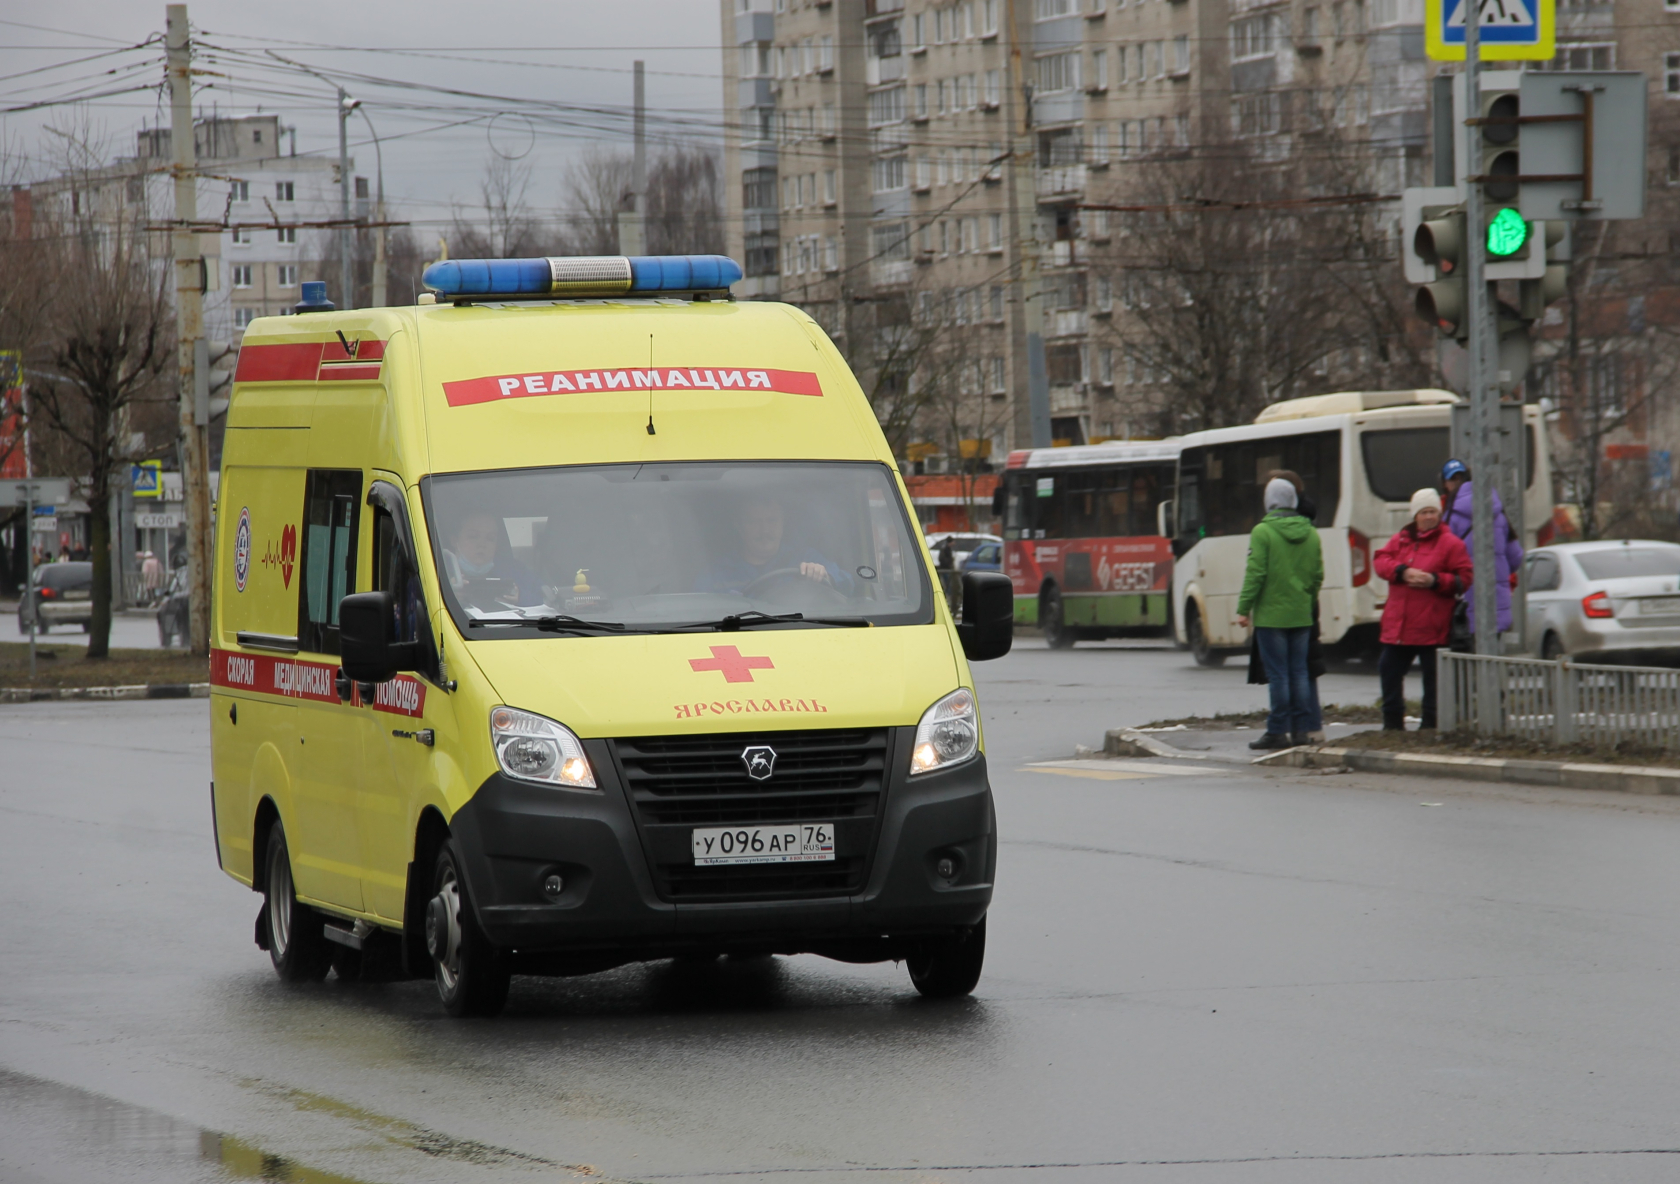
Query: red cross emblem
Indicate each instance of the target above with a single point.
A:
(728, 660)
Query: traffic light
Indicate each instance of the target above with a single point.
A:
(1500, 164)
(1553, 282)
(1439, 243)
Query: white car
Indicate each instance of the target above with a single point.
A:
(1617, 598)
(963, 543)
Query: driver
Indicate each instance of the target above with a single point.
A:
(762, 549)
(477, 572)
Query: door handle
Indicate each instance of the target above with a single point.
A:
(425, 736)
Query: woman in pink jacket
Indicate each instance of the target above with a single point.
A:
(1426, 567)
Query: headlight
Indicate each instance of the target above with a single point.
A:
(949, 733)
(532, 748)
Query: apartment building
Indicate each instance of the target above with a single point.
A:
(256, 269)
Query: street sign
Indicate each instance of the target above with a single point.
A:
(1584, 156)
(47, 491)
(168, 520)
(146, 478)
(1511, 30)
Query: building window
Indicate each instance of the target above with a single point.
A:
(242, 275)
(758, 189)
(1049, 10)
(1105, 367)
(1338, 20)
(1105, 290)
(241, 236)
(244, 316)
(888, 173)
(830, 193)
(241, 191)
(1099, 144)
(994, 87)
(1181, 130)
(989, 17)
(1671, 75)
(1181, 56)
(287, 234)
(886, 106)
(994, 232)
(284, 191)
(1256, 115)
(760, 251)
(1256, 36)
(825, 53)
(1058, 71)
(1582, 55)
(997, 375)
(892, 241)
(920, 96)
(1099, 69)
(287, 275)
(831, 254)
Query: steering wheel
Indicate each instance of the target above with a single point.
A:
(791, 573)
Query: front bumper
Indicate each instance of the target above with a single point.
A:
(512, 836)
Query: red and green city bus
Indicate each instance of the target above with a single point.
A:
(1083, 541)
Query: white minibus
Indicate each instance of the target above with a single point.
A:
(1361, 455)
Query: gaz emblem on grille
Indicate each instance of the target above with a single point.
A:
(760, 761)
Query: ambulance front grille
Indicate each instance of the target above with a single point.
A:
(677, 783)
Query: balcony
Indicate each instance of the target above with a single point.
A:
(880, 71)
(1067, 180)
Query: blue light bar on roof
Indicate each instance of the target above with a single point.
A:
(581, 275)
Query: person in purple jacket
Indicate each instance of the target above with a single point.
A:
(1507, 549)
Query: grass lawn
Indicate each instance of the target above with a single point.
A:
(69, 666)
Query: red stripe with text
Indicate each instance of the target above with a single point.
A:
(496, 387)
(316, 682)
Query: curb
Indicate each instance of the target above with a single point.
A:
(1130, 742)
(156, 690)
(1644, 779)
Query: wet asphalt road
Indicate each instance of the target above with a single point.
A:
(1194, 976)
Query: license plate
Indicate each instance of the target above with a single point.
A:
(1659, 606)
(794, 842)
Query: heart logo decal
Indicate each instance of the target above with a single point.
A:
(288, 553)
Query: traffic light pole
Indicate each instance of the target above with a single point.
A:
(1484, 383)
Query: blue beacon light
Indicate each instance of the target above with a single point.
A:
(584, 275)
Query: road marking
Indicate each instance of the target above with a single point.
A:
(1117, 770)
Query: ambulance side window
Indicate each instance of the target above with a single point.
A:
(396, 570)
(331, 503)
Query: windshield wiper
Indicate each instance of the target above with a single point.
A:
(554, 624)
(737, 621)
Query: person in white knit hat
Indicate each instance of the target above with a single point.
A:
(1426, 567)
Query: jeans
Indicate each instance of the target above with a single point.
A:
(1284, 654)
(1391, 672)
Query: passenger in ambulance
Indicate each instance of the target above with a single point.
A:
(763, 550)
(480, 574)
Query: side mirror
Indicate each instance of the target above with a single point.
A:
(1165, 512)
(367, 649)
(987, 628)
(997, 500)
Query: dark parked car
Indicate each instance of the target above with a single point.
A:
(60, 594)
(172, 611)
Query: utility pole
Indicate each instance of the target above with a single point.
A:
(189, 327)
(346, 269)
(1028, 322)
(632, 223)
(1484, 384)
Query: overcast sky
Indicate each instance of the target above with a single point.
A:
(556, 56)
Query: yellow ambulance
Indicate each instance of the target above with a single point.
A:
(575, 616)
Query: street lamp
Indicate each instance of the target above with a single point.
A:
(346, 270)
(379, 212)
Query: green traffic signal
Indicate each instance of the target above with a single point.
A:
(1507, 233)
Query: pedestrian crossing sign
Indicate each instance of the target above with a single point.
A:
(1511, 30)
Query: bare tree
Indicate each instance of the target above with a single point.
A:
(595, 186)
(104, 348)
(502, 225)
(685, 203)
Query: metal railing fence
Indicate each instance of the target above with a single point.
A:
(1559, 701)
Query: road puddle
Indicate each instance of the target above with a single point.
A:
(57, 1134)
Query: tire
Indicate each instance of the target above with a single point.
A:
(296, 946)
(1551, 647)
(1200, 649)
(1056, 633)
(951, 968)
(472, 979)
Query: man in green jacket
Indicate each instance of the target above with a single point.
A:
(1285, 570)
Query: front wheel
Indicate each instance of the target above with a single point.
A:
(1200, 648)
(472, 979)
(1051, 620)
(951, 967)
(299, 950)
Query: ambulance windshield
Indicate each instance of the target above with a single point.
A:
(662, 546)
